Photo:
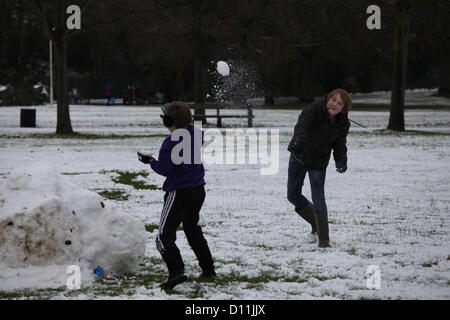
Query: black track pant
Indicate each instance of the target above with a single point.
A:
(183, 206)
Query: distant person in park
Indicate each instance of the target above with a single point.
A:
(108, 93)
(74, 95)
(185, 193)
(127, 95)
(8, 95)
(322, 127)
(137, 92)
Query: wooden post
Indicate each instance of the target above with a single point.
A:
(219, 119)
(250, 116)
(51, 72)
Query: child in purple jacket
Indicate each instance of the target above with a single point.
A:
(185, 194)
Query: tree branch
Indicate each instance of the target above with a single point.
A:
(47, 25)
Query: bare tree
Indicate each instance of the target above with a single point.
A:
(188, 24)
(399, 13)
(53, 21)
(403, 11)
(53, 15)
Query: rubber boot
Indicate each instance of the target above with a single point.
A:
(308, 214)
(322, 229)
(208, 275)
(173, 280)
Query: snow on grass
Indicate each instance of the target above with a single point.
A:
(412, 97)
(390, 209)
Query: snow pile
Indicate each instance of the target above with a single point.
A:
(45, 220)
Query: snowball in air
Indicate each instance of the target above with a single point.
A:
(223, 68)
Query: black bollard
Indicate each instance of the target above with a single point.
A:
(28, 118)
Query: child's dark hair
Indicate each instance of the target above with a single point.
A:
(180, 113)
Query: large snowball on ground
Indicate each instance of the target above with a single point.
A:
(46, 220)
(223, 68)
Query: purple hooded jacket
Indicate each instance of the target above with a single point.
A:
(183, 175)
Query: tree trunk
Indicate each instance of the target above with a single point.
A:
(63, 123)
(198, 91)
(53, 18)
(403, 18)
(444, 79)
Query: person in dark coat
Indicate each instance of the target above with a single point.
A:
(322, 127)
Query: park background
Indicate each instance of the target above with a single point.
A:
(300, 49)
(390, 209)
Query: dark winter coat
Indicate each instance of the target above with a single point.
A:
(315, 135)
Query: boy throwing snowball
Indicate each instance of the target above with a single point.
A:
(185, 193)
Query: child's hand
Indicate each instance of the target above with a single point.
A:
(145, 158)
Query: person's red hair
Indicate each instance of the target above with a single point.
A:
(345, 98)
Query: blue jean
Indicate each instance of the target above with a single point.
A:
(296, 176)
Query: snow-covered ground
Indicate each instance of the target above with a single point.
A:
(390, 209)
(413, 97)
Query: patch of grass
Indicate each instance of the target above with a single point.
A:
(151, 272)
(263, 246)
(429, 264)
(31, 294)
(129, 178)
(151, 227)
(74, 173)
(351, 251)
(264, 277)
(325, 278)
(117, 195)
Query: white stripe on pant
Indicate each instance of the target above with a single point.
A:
(166, 209)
